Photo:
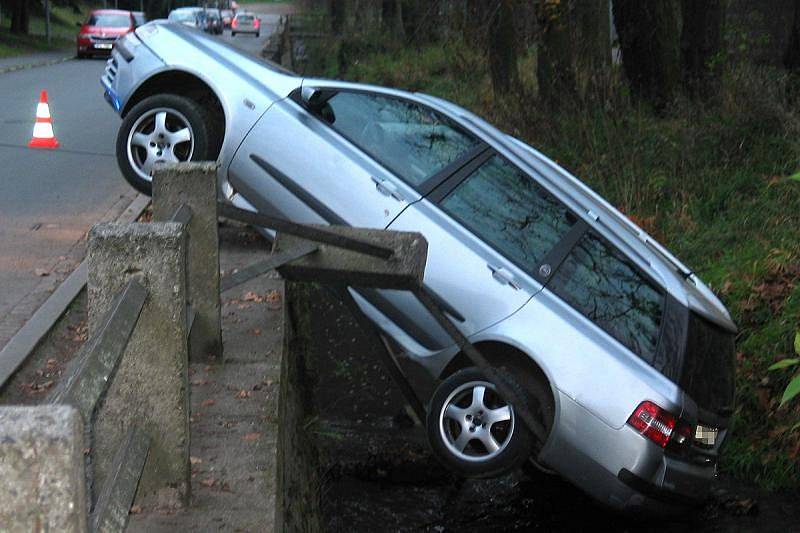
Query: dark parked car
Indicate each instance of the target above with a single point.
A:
(213, 21)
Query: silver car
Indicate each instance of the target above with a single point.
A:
(625, 356)
(186, 15)
(246, 23)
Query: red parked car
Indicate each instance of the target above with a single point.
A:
(101, 30)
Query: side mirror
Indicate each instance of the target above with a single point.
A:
(310, 96)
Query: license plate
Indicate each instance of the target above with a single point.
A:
(104, 46)
(706, 436)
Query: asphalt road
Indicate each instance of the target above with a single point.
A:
(51, 198)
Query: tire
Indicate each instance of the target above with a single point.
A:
(186, 136)
(258, 35)
(233, 34)
(456, 408)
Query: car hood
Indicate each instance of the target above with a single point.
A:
(183, 47)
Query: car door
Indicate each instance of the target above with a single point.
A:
(354, 157)
(490, 229)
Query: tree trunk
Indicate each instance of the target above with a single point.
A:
(475, 24)
(391, 18)
(649, 40)
(701, 40)
(503, 49)
(19, 17)
(337, 11)
(575, 51)
(791, 59)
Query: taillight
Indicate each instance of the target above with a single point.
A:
(660, 426)
(256, 23)
(235, 23)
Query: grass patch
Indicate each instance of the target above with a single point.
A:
(63, 21)
(708, 180)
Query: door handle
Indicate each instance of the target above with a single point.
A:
(503, 276)
(387, 188)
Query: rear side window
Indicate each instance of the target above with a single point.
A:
(510, 211)
(601, 283)
(408, 139)
(709, 365)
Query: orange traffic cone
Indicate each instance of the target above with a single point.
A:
(43, 136)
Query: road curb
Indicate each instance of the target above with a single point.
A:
(14, 68)
(24, 341)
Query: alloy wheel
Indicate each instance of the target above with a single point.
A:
(159, 136)
(475, 423)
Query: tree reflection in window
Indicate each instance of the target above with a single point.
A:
(510, 211)
(408, 139)
(604, 285)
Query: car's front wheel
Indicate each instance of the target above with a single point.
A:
(161, 129)
(473, 430)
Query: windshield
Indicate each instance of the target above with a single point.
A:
(109, 21)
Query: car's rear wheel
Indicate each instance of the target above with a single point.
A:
(473, 430)
(159, 130)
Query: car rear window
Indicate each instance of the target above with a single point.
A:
(245, 18)
(600, 282)
(109, 21)
(709, 365)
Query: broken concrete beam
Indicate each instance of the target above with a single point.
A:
(113, 505)
(150, 387)
(405, 269)
(195, 186)
(42, 468)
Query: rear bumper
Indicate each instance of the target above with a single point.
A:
(619, 467)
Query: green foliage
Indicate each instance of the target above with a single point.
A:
(793, 388)
(705, 178)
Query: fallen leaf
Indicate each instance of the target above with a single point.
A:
(242, 394)
(251, 437)
(208, 403)
(273, 299)
(136, 509)
(255, 331)
(41, 272)
(251, 296)
(200, 382)
(208, 482)
(195, 460)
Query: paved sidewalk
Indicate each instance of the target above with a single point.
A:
(234, 408)
(8, 64)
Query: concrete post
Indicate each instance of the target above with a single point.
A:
(195, 185)
(150, 387)
(42, 468)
